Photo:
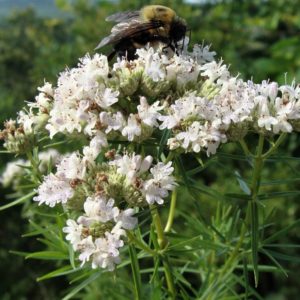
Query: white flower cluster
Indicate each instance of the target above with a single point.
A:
(192, 95)
(190, 98)
(96, 191)
(57, 188)
(97, 234)
(36, 114)
(156, 186)
(16, 170)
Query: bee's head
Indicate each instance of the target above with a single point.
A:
(178, 29)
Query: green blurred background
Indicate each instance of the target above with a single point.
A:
(38, 39)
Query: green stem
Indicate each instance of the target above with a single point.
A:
(136, 272)
(140, 244)
(253, 205)
(171, 211)
(258, 164)
(170, 156)
(37, 177)
(245, 148)
(275, 146)
(162, 242)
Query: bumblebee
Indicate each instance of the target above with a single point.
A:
(134, 29)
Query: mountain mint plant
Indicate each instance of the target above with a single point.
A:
(129, 129)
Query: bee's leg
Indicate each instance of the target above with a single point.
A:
(171, 46)
(111, 55)
(164, 40)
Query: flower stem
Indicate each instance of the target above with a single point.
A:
(245, 147)
(135, 272)
(140, 244)
(162, 242)
(253, 205)
(171, 211)
(37, 177)
(275, 146)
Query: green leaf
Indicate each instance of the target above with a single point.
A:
(286, 257)
(254, 238)
(280, 233)
(48, 255)
(18, 201)
(267, 196)
(135, 272)
(243, 185)
(81, 286)
(246, 281)
(274, 261)
(280, 182)
(59, 272)
(163, 141)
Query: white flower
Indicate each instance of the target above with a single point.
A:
(291, 91)
(268, 89)
(47, 89)
(13, 171)
(132, 166)
(153, 63)
(53, 190)
(112, 121)
(71, 167)
(98, 209)
(74, 232)
(264, 117)
(107, 98)
(202, 54)
(46, 157)
(183, 70)
(132, 129)
(98, 142)
(157, 188)
(215, 71)
(87, 249)
(27, 119)
(149, 114)
(107, 253)
(126, 219)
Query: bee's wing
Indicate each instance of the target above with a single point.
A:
(127, 30)
(123, 16)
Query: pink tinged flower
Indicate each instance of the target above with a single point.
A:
(74, 232)
(132, 129)
(54, 190)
